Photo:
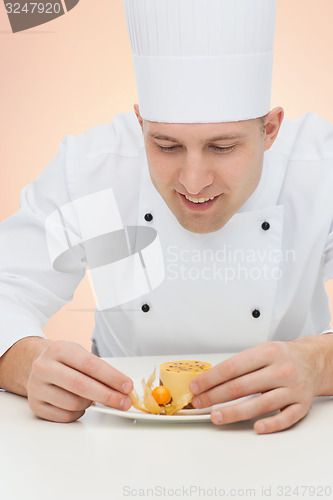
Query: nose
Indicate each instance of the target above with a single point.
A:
(194, 175)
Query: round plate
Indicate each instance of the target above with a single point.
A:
(134, 414)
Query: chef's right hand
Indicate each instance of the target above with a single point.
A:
(65, 379)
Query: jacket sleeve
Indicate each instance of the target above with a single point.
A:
(31, 290)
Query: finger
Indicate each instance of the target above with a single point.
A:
(253, 383)
(255, 407)
(88, 388)
(56, 396)
(75, 356)
(283, 420)
(247, 361)
(54, 414)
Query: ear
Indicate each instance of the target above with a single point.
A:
(139, 117)
(272, 124)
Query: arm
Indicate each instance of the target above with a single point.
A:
(31, 291)
(60, 379)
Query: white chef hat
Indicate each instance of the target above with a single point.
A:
(202, 61)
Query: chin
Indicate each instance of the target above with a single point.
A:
(200, 225)
(200, 228)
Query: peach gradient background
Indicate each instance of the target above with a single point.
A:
(75, 72)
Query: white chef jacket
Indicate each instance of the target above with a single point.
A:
(260, 277)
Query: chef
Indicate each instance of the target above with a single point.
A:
(204, 220)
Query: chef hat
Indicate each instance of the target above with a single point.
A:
(202, 61)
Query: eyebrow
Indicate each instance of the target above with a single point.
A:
(211, 139)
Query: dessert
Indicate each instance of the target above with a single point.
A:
(173, 393)
(177, 375)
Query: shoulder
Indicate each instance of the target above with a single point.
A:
(122, 136)
(303, 157)
(310, 137)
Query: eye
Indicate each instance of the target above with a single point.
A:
(216, 148)
(223, 150)
(164, 148)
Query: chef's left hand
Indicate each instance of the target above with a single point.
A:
(283, 375)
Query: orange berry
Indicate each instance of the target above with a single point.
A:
(161, 395)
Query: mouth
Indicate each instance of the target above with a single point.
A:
(198, 204)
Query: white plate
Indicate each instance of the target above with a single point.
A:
(134, 414)
(141, 367)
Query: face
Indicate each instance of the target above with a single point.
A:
(205, 172)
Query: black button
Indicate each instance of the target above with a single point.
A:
(145, 308)
(256, 314)
(148, 217)
(265, 226)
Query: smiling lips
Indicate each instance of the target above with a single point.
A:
(198, 204)
(198, 200)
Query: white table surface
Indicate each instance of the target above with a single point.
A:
(108, 457)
